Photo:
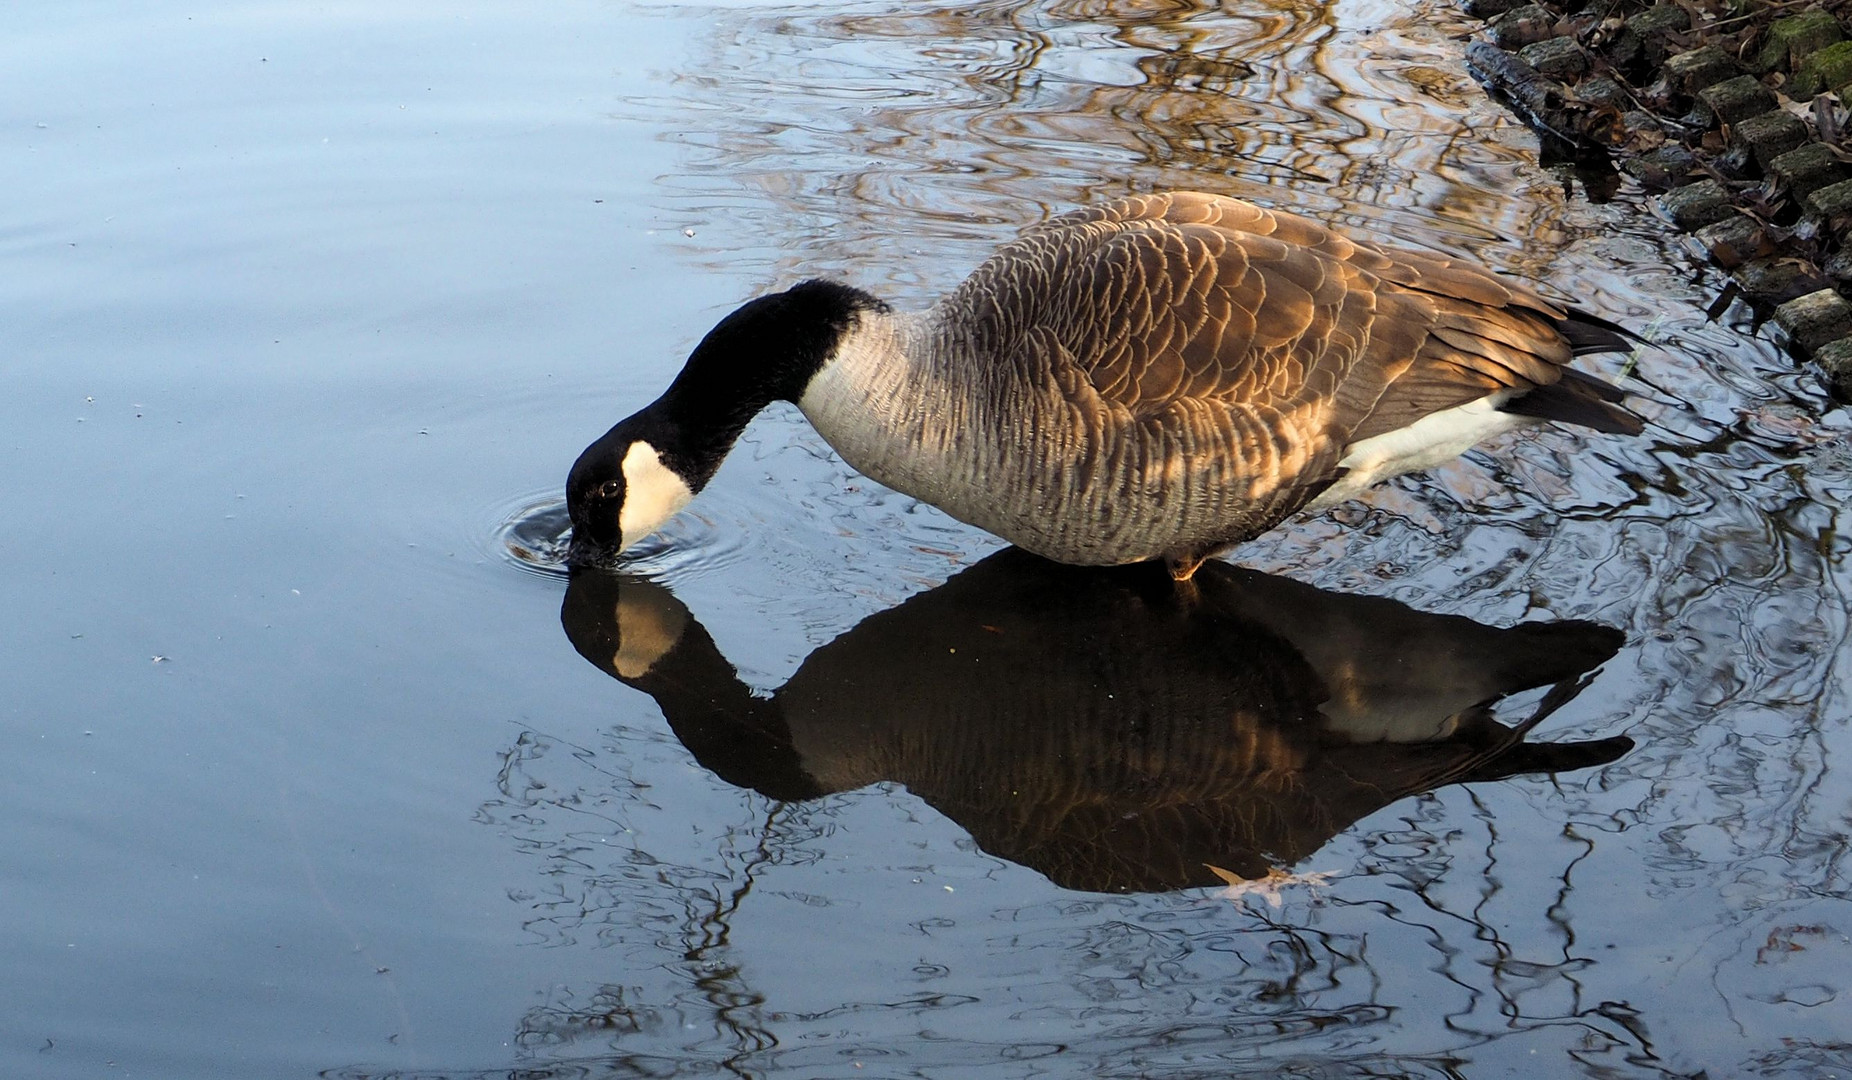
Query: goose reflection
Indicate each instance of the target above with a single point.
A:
(1103, 730)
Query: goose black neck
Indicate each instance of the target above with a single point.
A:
(768, 350)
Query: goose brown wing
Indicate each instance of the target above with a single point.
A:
(1305, 339)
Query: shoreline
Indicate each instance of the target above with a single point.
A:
(1735, 116)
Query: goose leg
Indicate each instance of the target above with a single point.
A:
(1182, 566)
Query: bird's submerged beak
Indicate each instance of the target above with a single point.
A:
(583, 551)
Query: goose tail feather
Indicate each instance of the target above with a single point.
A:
(1588, 333)
(1580, 399)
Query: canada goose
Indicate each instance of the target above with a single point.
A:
(1095, 726)
(1160, 377)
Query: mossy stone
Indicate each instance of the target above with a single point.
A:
(1792, 40)
(1776, 281)
(1828, 69)
(1815, 319)
(1522, 26)
(1560, 58)
(1662, 167)
(1832, 201)
(1735, 240)
(1645, 36)
(1738, 99)
(1770, 134)
(1839, 266)
(1656, 21)
(1693, 71)
(1835, 359)
(1697, 204)
(1486, 9)
(1808, 169)
(1602, 90)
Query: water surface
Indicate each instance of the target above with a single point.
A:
(306, 305)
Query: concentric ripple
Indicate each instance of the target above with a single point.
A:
(536, 538)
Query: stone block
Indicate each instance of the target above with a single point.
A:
(1522, 26)
(1693, 71)
(1792, 40)
(1735, 240)
(1832, 202)
(1828, 69)
(1835, 359)
(1769, 135)
(1738, 99)
(1486, 9)
(1807, 169)
(1777, 281)
(1813, 320)
(1560, 58)
(1697, 204)
(1661, 168)
(1650, 29)
(1602, 90)
(1656, 21)
(1839, 266)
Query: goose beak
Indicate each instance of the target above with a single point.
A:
(583, 551)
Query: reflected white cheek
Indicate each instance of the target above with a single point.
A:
(652, 494)
(648, 625)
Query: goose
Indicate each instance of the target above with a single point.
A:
(1159, 377)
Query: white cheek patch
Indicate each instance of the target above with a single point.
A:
(652, 494)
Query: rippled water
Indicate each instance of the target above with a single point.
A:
(309, 308)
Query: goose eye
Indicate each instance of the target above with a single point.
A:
(610, 489)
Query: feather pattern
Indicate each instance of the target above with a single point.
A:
(1167, 375)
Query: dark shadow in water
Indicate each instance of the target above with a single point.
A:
(1102, 729)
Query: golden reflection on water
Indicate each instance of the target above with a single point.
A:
(895, 148)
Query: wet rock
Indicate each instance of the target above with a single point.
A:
(1659, 19)
(1831, 199)
(1835, 358)
(1832, 205)
(1558, 58)
(1662, 168)
(1738, 99)
(1624, 49)
(1697, 204)
(1602, 90)
(1486, 9)
(1692, 71)
(1807, 169)
(1655, 25)
(1779, 280)
(1735, 240)
(1769, 135)
(1839, 267)
(1828, 69)
(1813, 320)
(1568, 127)
(1790, 41)
(1523, 26)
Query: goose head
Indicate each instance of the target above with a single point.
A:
(627, 485)
(630, 482)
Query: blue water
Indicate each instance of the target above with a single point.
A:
(308, 308)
